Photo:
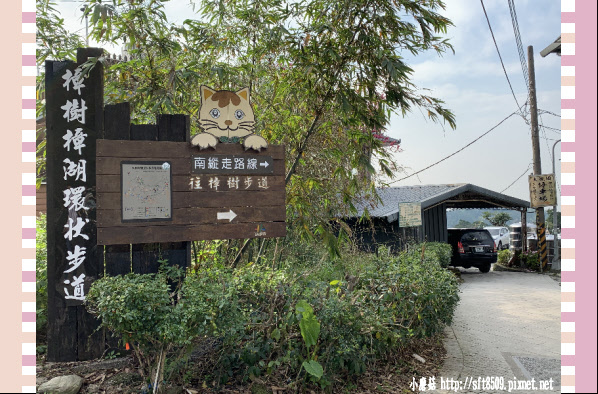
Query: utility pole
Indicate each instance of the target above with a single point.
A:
(533, 107)
(84, 9)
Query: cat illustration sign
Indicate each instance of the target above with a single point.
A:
(226, 183)
(226, 116)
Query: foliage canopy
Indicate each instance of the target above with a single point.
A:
(325, 77)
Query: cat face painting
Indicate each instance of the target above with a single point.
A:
(226, 116)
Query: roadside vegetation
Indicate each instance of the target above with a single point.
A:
(307, 311)
(303, 320)
(529, 260)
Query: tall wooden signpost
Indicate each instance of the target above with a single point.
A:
(143, 191)
(74, 119)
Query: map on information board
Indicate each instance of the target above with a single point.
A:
(410, 214)
(146, 191)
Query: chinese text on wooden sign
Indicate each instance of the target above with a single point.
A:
(222, 193)
(542, 190)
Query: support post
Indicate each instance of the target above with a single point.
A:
(556, 259)
(540, 220)
(74, 121)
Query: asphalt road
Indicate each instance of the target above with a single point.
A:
(506, 328)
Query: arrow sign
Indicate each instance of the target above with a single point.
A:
(264, 164)
(230, 215)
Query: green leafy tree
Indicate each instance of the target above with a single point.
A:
(480, 223)
(463, 224)
(498, 219)
(324, 76)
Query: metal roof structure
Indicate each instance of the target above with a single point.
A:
(460, 195)
(555, 47)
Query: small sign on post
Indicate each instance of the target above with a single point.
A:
(542, 190)
(410, 214)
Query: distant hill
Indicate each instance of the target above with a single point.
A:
(453, 216)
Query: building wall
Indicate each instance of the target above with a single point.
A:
(369, 237)
(434, 223)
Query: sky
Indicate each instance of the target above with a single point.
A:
(473, 85)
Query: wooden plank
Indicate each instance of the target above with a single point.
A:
(90, 340)
(175, 128)
(180, 165)
(117, 119)
(66, 325)
(146, 132)
(145, 253)
(117, 260)
(182, 183)
(112, 235)
(132, 149)
(144, 256)
(206, 200)
(191, 216)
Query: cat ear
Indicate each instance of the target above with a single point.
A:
(206, 92)
(244, 93)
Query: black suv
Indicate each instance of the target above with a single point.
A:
(472, 247)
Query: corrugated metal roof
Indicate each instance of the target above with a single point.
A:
(456, 195)
(392, 196)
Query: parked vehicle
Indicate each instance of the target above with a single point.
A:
(472, 247)
(500, 236)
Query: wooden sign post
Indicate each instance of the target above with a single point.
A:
(74, 118)
(144, 191)
(169, 192)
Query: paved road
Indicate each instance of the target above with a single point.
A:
(507, 325)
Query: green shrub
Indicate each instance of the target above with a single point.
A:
(531, 260)
(441, 252)
(313, 321)
(41, 276)
(504, 256)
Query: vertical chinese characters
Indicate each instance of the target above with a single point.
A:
(75, 173)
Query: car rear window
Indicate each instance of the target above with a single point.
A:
(476, 237)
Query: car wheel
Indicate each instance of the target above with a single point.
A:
(499, 246)
(484, 268)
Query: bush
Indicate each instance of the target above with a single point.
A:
(441, 252)
(316, 322)
(41, 276)
(504, 256)
(531, 260)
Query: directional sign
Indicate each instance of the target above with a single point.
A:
(219, 193)
(230, 215)
(210, 163)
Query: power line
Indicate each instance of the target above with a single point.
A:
(524, 172)
(454, 153)
(543, 111)
(551, 129)
(499, 56)
(522, 59)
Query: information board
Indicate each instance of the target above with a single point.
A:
(410, 214)
(146, 190)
